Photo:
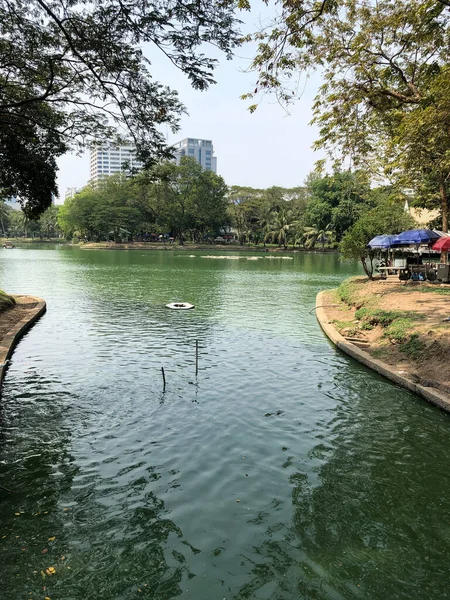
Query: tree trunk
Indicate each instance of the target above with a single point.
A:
(444, 209)
(367, 271)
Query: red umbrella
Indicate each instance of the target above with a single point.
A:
(442, 244)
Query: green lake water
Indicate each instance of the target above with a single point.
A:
(343, 479)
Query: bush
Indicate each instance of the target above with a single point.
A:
(6, 301)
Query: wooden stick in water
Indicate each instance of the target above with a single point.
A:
(196, 357)
(164, 378)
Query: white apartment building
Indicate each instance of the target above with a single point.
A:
(108, 159)
(70, 192)
(202, 150)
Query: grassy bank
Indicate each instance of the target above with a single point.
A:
(402, 324)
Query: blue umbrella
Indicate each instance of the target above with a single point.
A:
(382, 242)
(415, 237)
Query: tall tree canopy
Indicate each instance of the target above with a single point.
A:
(384, 101)
(74, 71)
(336, 200)
(183, 200)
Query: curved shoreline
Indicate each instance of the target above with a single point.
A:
(430, 394)
(194, 247)
(12, 338)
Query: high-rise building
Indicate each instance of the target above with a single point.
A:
(202, 150)
(70, 192)
(108, 159)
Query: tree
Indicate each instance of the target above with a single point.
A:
(210, 207)
(336, 201)
(73, 72)
(386, 218)
(253, 210)
(4, 216)
(384, 103)
(185, 198)
(314, 235)
(282, 222)
(48, 222)
(238, 217)
(101, 211)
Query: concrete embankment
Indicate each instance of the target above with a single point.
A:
(11, 338)
(431, 394)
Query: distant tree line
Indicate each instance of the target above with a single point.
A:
(182, 201)
(16, 224)
(189, 204)
(74, 72)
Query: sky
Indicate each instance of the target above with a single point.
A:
(266, 148)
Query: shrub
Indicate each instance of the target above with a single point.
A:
(6, 301)
(413, 347)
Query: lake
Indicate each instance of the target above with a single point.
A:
(284, 470)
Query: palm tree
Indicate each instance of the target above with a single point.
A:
(49, 222)
(314, 235)
(240, 222)
(25, 222)
(265, 217)
(280, 227)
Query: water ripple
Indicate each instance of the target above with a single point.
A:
(284, 470)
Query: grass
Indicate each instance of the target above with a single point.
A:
(399, 330)
(428, 290)
(6, 301)
(414, 347)
(377, 316)
(380, 353)
(348, 291)
(348, 325)
(398, 325)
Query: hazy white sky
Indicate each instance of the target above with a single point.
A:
(261, 149)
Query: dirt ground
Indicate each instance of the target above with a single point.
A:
(426, 358)
(11, 316)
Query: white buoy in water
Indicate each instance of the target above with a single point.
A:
(180, 305)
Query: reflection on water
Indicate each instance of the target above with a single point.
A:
(285, 470)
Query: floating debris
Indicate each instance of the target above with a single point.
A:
(180, 305)
(280, 257)
(229, 257)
